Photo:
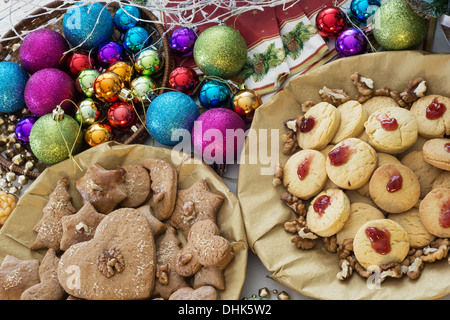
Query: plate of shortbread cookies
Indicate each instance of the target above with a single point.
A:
(352, 200)
(125, 223)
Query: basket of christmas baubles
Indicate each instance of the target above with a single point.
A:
(73, 76)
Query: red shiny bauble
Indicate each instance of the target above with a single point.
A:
(184, 79)
(330, 22)
(122, 116)
(78, 61)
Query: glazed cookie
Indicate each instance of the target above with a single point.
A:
(437, 153)
(380, 242)
(379, 102)
(164, 184)
(435, 212)
(394, 188)
(351, 163)
(360, 214)
(318, 126)
(136, 185)
(328, 212)
(433, 115)
(419, 236)
(391, 130)
(425, 172)
(353, 117)
(304, 173)
(442, 181)
(382, 158)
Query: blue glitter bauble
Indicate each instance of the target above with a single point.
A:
(13, 79)
(124, 18)
(361, 10)
(214, 94)
(136, 39)
(167, 113)
(80, 25)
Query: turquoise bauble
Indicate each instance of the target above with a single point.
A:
(88, 25)
(214, 94)
(13, 79)
(169, 112)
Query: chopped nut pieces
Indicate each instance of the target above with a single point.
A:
(162, 274)
(363, 85)
(415, 89)
(330, 243)
(334, 96)
(294, 203)
(188, 210)
(436, 251)
(278, 176)
(290, 142)
(110, 261)
(303, 243)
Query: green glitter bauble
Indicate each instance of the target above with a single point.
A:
(51, 139)
(396, 26)
(220, 51)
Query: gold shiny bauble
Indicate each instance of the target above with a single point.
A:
(97, 134)
(107, 86)
(124, 70)
(245, 102)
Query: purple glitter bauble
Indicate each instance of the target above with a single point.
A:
(41, 49)
(110, 52)
(351, 42)
(182, 41)
(46, 89)
(218, 136)
(23, 128)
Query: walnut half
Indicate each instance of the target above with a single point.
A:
(110, 262)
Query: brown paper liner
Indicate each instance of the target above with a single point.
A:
(17, 235)
(313, 272)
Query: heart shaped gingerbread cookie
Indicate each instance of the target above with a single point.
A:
(117, 264)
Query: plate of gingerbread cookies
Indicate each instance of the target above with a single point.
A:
(352, 199)
(125, 223)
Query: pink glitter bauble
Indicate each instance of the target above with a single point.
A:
(41, 49)
(46, 89)
(218, 136)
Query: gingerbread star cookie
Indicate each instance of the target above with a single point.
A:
(194, 204)
(16, 276)
(49, 228)
(102, 188)
(167, 279)
(49, 287)
(164, 184)
(81, 226)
